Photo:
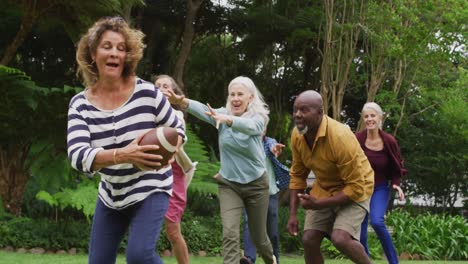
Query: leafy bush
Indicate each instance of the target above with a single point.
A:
(202, 204)
(430, 236)
(82, 199)
(435, 237)
(290, 243)
(28, 233)
(207, 166)
(201, 233)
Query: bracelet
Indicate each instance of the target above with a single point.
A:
(115, 152)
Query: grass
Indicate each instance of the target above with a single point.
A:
(26, 258)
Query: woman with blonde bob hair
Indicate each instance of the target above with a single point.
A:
(242, 180)
(106, 122)
(384, 155)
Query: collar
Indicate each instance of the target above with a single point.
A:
(322, 130)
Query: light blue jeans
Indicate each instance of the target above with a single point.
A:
(143, 219)
(250, 250)
(378, 207)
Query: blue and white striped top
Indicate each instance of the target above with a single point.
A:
(91, 130)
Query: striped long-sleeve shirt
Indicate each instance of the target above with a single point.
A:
(91, 130)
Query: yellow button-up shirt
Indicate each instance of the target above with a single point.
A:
(337, 161)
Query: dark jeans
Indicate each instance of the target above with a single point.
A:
(272, 229)
(378, 207)
(143, 220)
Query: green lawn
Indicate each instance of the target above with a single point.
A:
(19, 258)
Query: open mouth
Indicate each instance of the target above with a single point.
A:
(298, 122)
(113, 65)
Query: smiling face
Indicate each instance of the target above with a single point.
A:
(372, 119)
(164, 84)
(239, 98)
(110, 55)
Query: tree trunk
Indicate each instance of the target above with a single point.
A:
(187, 38)
(339, 50)
(326, 68)
(13, 178)
(27, 23)
(377, 73)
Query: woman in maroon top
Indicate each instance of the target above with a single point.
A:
(383, 153)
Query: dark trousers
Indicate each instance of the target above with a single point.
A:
(143, 219)
(250, 250)
(378, 207)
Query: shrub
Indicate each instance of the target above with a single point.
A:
(435, 237)
(290, 243)
(203, 233)
(431, 236)
(24, 232)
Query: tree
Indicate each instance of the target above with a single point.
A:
(186, 42)
(436, 143)
(401, 39)
(75, 15)
(33, 120)
(340, 32)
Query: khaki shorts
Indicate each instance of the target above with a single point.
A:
(348, 218)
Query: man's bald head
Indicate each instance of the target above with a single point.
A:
(311, 97)
(308, 111)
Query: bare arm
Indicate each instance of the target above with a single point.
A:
(176, 99)
(293, 225)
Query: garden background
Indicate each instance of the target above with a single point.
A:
(407, 55)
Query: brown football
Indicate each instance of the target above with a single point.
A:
(166, 138)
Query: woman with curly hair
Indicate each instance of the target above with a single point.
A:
(106, 122)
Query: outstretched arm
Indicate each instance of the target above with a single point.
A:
(219, 118)
(176, 99)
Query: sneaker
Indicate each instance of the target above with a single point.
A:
(245, 260)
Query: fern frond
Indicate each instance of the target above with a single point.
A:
(207, 167)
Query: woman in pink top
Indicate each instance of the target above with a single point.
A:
(182, 169)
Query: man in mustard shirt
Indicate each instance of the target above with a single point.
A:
(340, 195)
